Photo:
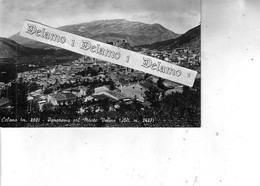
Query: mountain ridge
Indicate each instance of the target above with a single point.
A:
(136, 33)
(190, 36)
(10, 49)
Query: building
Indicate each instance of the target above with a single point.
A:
(79, 91)
(113, 95)
(135, 91)
(61, 98)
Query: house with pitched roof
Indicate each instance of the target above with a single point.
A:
(113, 95)
(61, 98)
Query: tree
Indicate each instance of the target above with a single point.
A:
(18, 93)
(146, 76)
(112, 85)
(48, 91)
(104, 104)
(47, 111)
(152, 95)
(160, 83)
(47, 107)
(32, 87)
(33, 106)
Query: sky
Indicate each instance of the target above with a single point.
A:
(176, 15)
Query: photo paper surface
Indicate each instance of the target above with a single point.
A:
(100, 64)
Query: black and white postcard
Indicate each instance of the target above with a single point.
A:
(42, 85)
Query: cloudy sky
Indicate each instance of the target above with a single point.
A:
(176, 15)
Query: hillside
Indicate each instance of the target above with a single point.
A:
(189, 39)
(10, 49)
(136, 33)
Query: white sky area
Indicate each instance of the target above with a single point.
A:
(176, 15)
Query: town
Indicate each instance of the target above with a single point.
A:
(101, 92)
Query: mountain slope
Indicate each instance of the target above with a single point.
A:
(135, 33)
(10, 49)
(190, 38)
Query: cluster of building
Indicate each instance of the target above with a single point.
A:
(185, 57)
(128, 84)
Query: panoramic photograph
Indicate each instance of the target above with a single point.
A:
(117, 64)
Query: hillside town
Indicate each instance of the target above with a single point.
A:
(96, 88)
